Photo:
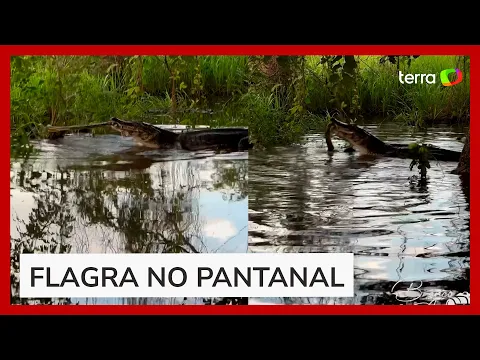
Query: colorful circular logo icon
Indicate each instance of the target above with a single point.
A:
(444, 77)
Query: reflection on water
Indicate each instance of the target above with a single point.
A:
(84, 194)
(303, 199)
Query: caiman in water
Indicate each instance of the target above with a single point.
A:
(364, 142)
(146, 134)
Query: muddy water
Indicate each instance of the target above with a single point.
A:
(101, 194)
(303, 199)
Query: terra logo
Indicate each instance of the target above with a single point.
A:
(431, 78)
(444, 77)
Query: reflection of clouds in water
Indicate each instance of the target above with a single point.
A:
(220, 229)
(194, 178)
(226, 223)
(206, 174)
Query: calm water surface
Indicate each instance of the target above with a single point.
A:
(101, 194)
(303, 199)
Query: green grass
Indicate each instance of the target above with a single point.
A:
(78, 90)
(381, 92)
(222, 75)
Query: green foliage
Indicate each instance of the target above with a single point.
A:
(278, 97)
(382, 94)
(268, 121)
(342, 74)
(398, 60)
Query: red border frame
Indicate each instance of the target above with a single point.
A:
(9, 50)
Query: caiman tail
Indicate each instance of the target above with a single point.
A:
(366, 143)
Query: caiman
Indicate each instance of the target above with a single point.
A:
(146, 134)
(365, 143)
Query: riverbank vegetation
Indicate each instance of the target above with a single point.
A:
(278, 98)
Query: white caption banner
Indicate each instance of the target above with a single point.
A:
(195, 275)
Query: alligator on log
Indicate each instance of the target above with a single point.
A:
(148, 135)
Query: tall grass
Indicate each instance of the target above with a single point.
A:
(78, 90)
(382, 93)
(222, 75)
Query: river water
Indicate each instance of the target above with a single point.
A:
(85, 194)
(411, 242)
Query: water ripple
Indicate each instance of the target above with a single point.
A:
(303, 199)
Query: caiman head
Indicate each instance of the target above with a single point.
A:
(358, 138)
(143, 133)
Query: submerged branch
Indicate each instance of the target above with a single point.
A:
(55, 129)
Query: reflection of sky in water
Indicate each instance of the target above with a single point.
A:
(224, 229)
(303, 199)
(226, 226)
(212, 212)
